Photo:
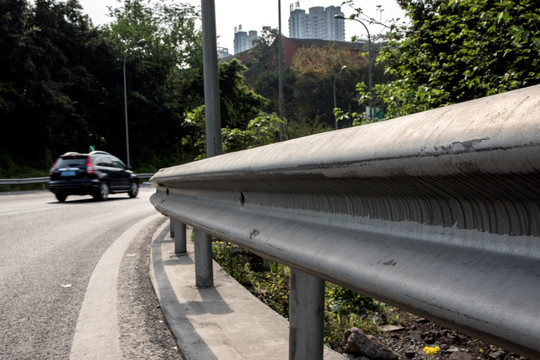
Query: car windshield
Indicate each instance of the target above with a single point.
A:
(72, 162)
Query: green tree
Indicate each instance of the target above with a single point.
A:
(46, 85)
(316, 69)
(308, 82)
(164, 77)
(459, 50)
(62, 85)
(262, 130)
(243, 122)
(239, 104)
(14, 43)
(263, 56)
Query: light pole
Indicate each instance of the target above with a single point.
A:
(139, 43)
(339, 16)
(335, 104)
(280, 84)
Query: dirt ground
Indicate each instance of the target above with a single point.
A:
(413, 334)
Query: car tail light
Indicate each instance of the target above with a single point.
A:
(90, 166)
(53, 166)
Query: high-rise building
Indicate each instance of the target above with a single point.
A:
(222, 52)
(243, 40)
(319, 23)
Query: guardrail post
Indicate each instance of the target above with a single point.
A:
(171, 227)
(178, 233)
(204, 275)
(306, 317)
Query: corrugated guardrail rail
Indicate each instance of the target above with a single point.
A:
(437, 213)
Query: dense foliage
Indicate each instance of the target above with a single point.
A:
(62, 89)
(48, 78)
(244, 124)
(61, 83)
(164, 78)
(458, 50)
(308, 83)
(61, 77)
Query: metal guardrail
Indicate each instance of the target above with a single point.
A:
(145, 175)
(45, 180)
(19, 182)
(35, 180)
(437, 213)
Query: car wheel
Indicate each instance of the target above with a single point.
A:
(103, 193)
(61, 197)
(134, 189)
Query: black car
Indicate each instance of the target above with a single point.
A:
(97, 173)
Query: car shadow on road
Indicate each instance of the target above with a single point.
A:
(88, 200)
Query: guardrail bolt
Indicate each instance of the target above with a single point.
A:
(242, 198)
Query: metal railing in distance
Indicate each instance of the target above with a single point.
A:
(45, 180)
(437, 213)
(145, 175)
(35, 180)
(18, 182)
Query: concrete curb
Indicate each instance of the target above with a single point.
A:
(224, 322)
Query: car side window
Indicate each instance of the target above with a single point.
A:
(110, 162)
(104, 161)
(117, 163)
(100, 161)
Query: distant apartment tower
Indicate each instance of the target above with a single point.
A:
(319, 23)
(243, 40)
(222, 52)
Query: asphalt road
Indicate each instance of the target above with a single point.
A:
(48, 253)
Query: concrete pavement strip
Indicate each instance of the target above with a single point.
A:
(96, 336)
(225, 322)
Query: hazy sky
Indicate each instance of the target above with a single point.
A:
(254, 14)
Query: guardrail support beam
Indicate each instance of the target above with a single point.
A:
(204, 275)
(171, 227)
(178, 233)
(306, 317)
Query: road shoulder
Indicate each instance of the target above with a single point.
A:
(97, 332)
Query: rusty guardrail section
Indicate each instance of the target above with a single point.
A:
(437, 213)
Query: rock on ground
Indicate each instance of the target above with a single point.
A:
(357, 343)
